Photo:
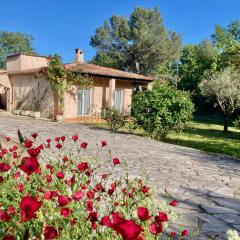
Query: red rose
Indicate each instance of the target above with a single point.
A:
(145, 189)
(15, 155)
(50, 232)
(48, 140)
(33, 152)
(74, 138)
(93, 217)
(143, 213)
(65, 212)
(90, 194)
(162, 217)
(57, 139)
(59, 146)
(29, 206)
(8, 139)
(116, 161)
(28, 143)
(20, 187)
(9, 237)
(128, 229)
(49, 178)
(30, 165)
(173, 203)
(34, 135)
(4, 167)
(48, 195)
(83, 166)
(104, 143)
(173, 234)
(4, 216)
(60, 175)
(155, 228)
(11, 210)
(78, 195)
(63, 138)
(84, 145)
(63, 200)
(65, 158)
(184, 233)
(89, 205)
(106, 221)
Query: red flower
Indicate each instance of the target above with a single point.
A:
(89, 205)
(116, 161)
(104, 143)
(173, 234)
(93, 217)
(29, 206)
(173, 203)
(106, 221)
(30, 165)
(90, 194)
(33, 152)
(57, 139)
(49, 178)
(60, 175)
(59, 146)
(8, 139)
(65, 212)
(74, 138)
(128, 229)
(28, 143)
(50, 232)
(63, 200)
(155, 228)
(84, 145)
(143, 213)
(83, 166)
(34, 135)
(63, 138)
(65, 158)
(9, 237)
(78, 195)
(11, 210)
(4, 216)
(4, 167)
(145, 189)
(20, 187)
(162, 217)
(184, 233)
(48, 140)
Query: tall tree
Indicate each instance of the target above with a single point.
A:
(11, 43)
(195, 60)
(139, 43)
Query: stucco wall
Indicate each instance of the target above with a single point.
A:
(99, 97)
(24, 62)
(32, 94)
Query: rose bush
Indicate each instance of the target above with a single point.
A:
(48, 192)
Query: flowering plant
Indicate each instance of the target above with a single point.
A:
(55, 191)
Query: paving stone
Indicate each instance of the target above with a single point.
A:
(208, 218)
(229, 218)
(214, 228)
(230, 203)
(216, 209)
(237, 227)
(222, 192)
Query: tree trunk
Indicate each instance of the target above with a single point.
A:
(225, 123)
(55, 105)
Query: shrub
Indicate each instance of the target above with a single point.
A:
(236, 123)
(114, 118)
(47, 192)
(162, 109)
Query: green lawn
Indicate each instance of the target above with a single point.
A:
(204, 133)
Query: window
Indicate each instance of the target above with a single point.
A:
(118, 99)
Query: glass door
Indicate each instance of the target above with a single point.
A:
(83, 102)
(118, 99)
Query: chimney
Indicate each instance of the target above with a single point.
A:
(79, 56)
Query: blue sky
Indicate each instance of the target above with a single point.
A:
(60, 26)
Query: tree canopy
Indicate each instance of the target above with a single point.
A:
(11, 43)
(138, 43)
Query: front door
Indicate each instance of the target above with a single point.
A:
(84, 102)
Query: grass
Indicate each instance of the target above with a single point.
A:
(203, 133)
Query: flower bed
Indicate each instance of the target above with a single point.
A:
(47, 192)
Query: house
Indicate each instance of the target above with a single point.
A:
(20, 89)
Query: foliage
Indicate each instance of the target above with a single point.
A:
(139, 43)
(236, 123)
(225, 86)
(162, 109)
(114, 118)
(77, 79)
(12, 43)
(195, 60)
(68, 195)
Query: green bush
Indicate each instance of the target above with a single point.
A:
(114, 118)
(236, 123)
(162, 109)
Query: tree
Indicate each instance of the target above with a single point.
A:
(139, 43)
(225, 86)
(11, 43)
(162, 109)
(194, 61)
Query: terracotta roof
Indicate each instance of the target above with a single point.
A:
(105, 71)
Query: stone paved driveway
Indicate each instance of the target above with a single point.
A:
(206, 185)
